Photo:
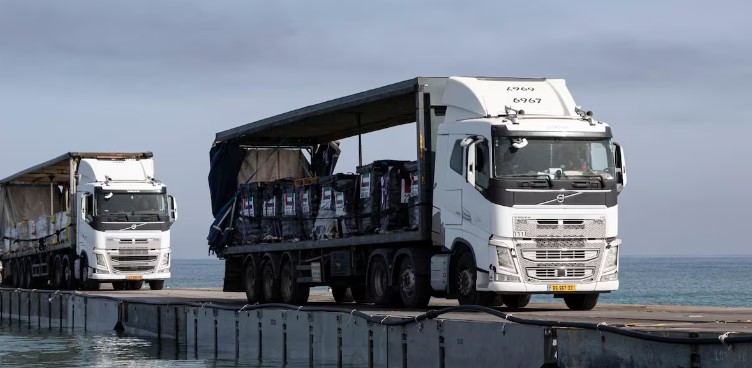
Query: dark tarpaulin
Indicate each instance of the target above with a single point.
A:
(225, 161)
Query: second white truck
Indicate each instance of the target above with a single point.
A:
(83, 219)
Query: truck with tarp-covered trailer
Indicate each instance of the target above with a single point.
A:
(513, 193)
(86, 218)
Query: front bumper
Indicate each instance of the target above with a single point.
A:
(124, 277)
(519, 287)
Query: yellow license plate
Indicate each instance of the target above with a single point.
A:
(134, 277)
(562, 288)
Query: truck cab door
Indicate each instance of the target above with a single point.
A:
(476, 210)
(454, 180)
(85, 216)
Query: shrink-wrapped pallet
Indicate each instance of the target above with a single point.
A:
(270, 219)
(248, 223)
(308, 201)
(394, 215)
(413, 198)
(337, 216)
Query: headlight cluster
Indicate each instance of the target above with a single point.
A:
(101, 260)
(506, 263)
(165, 260)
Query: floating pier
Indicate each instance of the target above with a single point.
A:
(208, 323)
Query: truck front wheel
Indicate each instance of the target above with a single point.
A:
(68, 282)
(467, 294)
(156, 284)
(581, 301)
(516, 301)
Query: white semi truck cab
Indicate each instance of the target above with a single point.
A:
(109, 222)
(528, 183)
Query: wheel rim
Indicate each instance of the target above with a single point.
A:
(408, 282)
(465, 282)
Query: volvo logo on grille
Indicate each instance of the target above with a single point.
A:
(560, 198)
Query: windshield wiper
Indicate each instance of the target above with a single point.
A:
(537, 176)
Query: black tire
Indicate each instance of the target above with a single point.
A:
(415, 290)
(342, 294)
(378, 284)
(292, 292)
(119, 285)
(516, 301)
(56, 278)
(135, 285)
(156, 284)
(83, 275)
(67, 269)
(581, 301)
(467, 294)
(360, 294)
(270, 288)
(252, 283)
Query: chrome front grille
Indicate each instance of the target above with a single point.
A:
(132, 269)
(559, 254)
(119, 259)
(525, 227)
(133, 260)
(560, 273)
(545, 260)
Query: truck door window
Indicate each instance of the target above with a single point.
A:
(482, 167)
(455, 162)
(89, 208)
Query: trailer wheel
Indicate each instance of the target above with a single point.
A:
(271, 285)
(342, 294)
(467, 294)
(581, 301)
(292, 292)
(252, 283)
(378, 284)
(68, 281)
(415, 290)
(156, 284)
(516, 301)
(56, 282)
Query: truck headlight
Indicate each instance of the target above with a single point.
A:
(101, 261)
(612, 258)
(165, 260)
(506, 262)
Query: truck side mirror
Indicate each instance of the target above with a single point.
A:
(621, 167)
(173, 209)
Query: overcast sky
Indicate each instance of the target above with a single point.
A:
(670, 77)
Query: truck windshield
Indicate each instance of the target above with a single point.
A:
(553, 156)
(116, 206)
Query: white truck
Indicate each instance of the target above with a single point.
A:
(516, 189)
(83, 219)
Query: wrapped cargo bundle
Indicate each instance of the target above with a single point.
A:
(308, 201)
(9, 238)
(270, 218)
(369, 208)
(44, 229)
(413, 198)
(337, 215)
(394, 214)
(291, 221)
(248, 223)
(22, 229)
(62, 227)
